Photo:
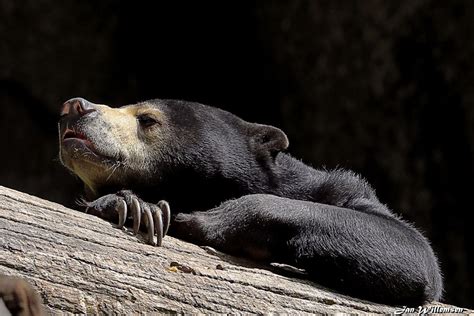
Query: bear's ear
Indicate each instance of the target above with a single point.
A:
(266, 138)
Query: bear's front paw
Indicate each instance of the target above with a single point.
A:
(125, 204)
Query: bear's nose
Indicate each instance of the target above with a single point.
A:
(77, 106)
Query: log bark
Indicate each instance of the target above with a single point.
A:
(81, 264)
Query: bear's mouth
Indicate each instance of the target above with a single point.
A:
(71, 135)
(77, 145)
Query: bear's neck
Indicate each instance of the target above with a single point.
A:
(293, 179)
(188, 191)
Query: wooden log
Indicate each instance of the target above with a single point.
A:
(83, 265)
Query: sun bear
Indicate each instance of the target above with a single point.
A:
(214, 179)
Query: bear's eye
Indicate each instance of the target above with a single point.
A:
(146, 120)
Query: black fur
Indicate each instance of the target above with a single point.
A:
(235, 190)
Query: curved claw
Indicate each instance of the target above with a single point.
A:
(121, 209)
(158, 225)
(136, 215)
(150, 225)
(166, 215)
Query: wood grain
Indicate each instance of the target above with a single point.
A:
(81, 264)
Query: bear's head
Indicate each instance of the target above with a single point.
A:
(144, 144)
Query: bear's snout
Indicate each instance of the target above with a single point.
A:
(77, 107)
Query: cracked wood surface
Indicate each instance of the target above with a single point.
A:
(83, 265)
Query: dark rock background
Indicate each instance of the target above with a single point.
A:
(381, 87)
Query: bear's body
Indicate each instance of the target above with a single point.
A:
(231, 187)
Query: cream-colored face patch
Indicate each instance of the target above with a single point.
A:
(124, 142)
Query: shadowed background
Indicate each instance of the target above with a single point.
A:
(380, 87)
